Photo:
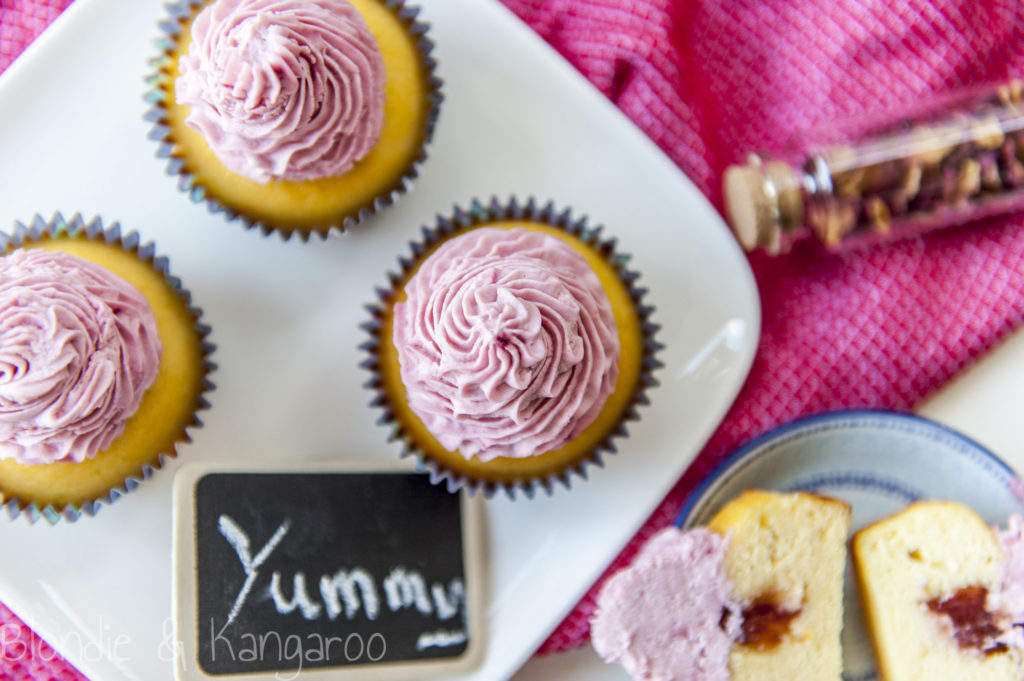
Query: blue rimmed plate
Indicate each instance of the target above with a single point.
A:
(878, 462)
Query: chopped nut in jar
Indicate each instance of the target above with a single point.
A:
(968, 181)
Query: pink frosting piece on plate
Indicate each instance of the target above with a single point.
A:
(1009, 599)
(670, 616)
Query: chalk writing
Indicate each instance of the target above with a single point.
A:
(343, 583)
(404, 589)
(345, 591)
(239, 541)
(300, 598)
(440, 639)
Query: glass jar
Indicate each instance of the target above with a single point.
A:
(963, 164)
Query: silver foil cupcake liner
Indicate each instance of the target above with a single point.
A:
(39, 229)
(462, 220)
(178, 14)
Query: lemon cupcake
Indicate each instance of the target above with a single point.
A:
(103, 366)
(511, 349)
(297, 116)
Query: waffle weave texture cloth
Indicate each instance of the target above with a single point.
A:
(710, 81)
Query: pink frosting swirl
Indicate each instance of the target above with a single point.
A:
(78, 348)
(507, 343)
(670, 616)
(1008, 599)
(283, 89)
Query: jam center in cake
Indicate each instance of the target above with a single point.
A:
(974, 626)
(766, 623)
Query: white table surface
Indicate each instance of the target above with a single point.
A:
(983, 403)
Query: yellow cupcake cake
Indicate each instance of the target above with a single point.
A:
(785, 559)
(512, 349)
(299, 116)
(103, 366)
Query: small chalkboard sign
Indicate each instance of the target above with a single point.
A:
(315, 570)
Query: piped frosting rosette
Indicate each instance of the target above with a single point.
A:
(297, 116)
(101, 355)
(511, 350)
(78, 348)
(507, 343)
(284, 89)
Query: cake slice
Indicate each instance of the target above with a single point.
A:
(785, 558)
(932, 583)
(755, 596)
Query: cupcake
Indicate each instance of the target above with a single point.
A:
(298, 116)
(511, 349)
(103, 366)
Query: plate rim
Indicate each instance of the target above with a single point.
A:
(760, 445)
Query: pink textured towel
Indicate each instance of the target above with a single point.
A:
(710, 81)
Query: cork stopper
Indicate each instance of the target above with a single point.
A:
(763, 202)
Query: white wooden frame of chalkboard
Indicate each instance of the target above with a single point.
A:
(184, 602)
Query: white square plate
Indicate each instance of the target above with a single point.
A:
(517, 119)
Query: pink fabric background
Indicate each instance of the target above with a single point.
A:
(709, 81)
